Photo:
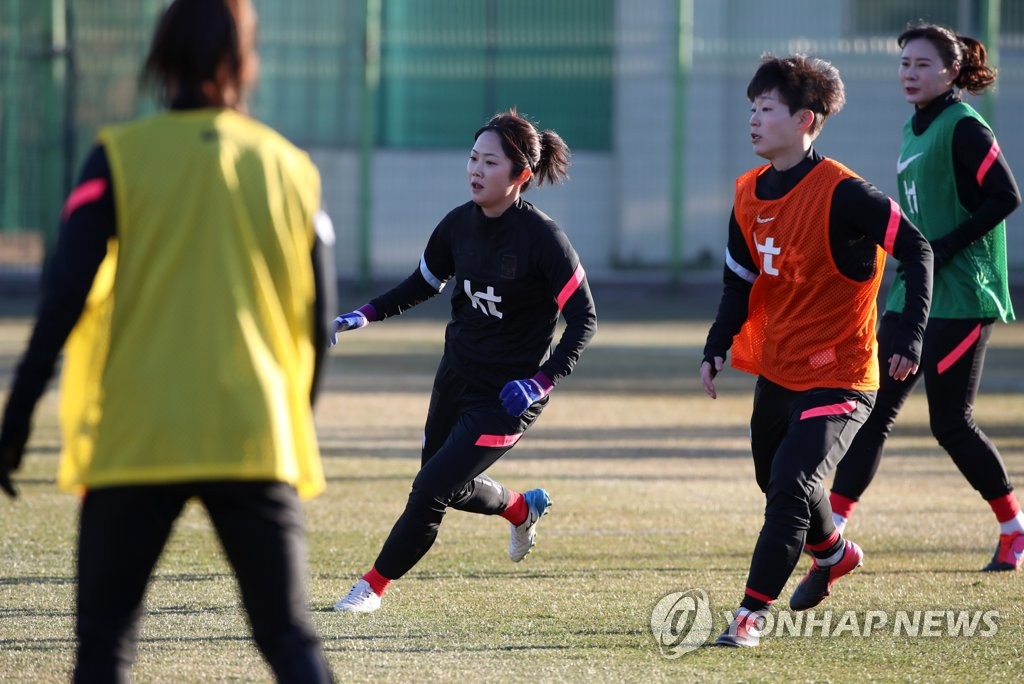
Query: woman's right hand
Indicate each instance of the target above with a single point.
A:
(347, 321)
(708, 370)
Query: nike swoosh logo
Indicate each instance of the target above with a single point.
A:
(764, 220)
(902, 164)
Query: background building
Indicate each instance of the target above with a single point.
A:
(385, 94)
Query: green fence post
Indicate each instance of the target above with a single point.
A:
(57, 185)
(12, 119)
(989, 23)
(683, 65)
(69, 138)
(367, 138)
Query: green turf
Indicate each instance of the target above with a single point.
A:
(653, 493)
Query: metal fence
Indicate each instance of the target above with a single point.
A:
(386, 94)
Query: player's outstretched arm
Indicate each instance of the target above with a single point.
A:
(353, 320)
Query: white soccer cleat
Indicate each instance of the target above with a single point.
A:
(524, 536)
(744, 631)
(361, 599)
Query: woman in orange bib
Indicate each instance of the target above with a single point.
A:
(807, 245)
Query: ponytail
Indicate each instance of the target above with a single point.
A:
(544, 153)
(975, 75)
(553, 166)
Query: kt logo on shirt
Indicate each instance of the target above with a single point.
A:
(478, 300)
(767, 249)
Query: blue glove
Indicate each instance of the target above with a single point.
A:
(519, 395)
(348, 321)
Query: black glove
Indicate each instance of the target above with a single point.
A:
(943, 250)
(13, 439)
(709, 357)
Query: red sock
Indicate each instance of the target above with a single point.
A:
(842, 505)
(378, 582)
(754, 600)
(516, 510)
(1005, 507)
(831, 544)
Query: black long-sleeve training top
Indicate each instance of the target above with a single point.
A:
(513, 275)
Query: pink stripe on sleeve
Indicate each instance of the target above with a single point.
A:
(498, 440)
(574, 284)
(894, 226)
(988, 161)
(830, 410)
(89, 191)
(961, 349)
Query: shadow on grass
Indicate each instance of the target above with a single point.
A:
(580, 570)
(537, 450)
(192, 577)
(43, 645)
(28, 579)
(575, 453)
(488, 648)
(564, 477)
(201, 639)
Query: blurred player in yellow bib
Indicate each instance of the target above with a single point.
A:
(189, 283)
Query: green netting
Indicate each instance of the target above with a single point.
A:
(448, 65)
(31, 112)
(70, 66)
(311, 70)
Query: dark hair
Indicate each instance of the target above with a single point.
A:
(192, 40)
(543, 152)
(975, 76)
(803, 83)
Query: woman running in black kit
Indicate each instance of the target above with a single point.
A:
(514, 272)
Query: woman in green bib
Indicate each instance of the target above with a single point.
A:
(955, 185)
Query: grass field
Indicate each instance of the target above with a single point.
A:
(653, 492)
